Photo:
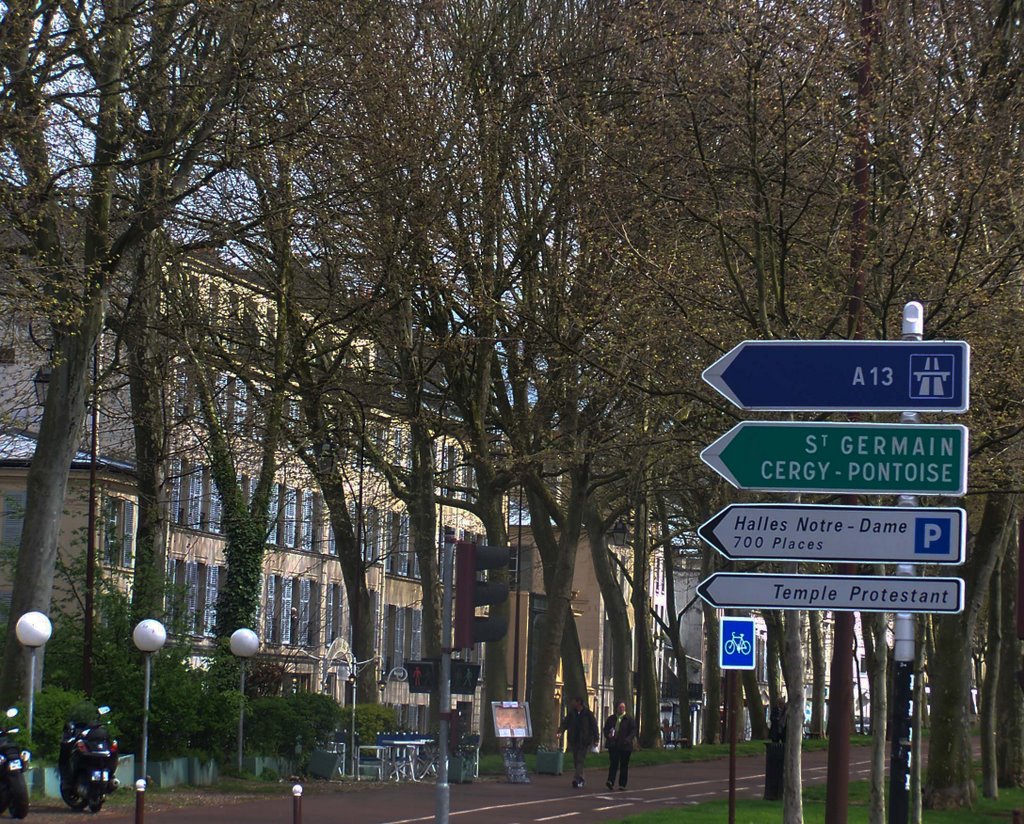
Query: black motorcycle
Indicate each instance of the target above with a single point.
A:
(87, 763)
(13, 763)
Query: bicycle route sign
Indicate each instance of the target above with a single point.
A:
(844, 375)
(870, 458)
(838, 534)
(845, 593)
(736, 643)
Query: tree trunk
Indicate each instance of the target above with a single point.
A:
(558, 556)
(817, 674)
(1009, 698)
(147, 380)
(987, 698)
(950, 782)
(793, 673)
(46, 485)
(616, 613)
(873, 629)
(712, 671)
(755, 706)
(648, 701)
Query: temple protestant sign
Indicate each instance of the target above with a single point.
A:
(778, 456)
(847, 593)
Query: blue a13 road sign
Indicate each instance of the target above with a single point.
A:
(736, 648)
(845, 375)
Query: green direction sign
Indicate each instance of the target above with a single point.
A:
(779, 456)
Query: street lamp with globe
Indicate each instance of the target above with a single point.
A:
(33, 630)
(149, 636)
(244, 644)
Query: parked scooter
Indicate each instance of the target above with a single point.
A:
(87, 763)
(13, 763)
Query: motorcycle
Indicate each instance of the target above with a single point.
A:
(13, 763)
(87, 763)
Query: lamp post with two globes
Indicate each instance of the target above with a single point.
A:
(33, 630)
(244, 644)
(149, 636)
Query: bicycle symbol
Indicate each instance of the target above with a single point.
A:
(737, 644)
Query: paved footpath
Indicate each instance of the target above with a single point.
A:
(486, 801)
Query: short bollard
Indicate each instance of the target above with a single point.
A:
(1018, 817)
(140, 801)
(297, 804)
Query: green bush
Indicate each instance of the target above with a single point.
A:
(292, 725)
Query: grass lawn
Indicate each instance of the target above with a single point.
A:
(493, 764)
(765, 812)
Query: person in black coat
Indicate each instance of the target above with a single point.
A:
(581, 726)
(619, 738)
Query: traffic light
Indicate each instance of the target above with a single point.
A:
(471, 593)
(465, 676)
(422, 675)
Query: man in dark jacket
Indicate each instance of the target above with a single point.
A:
(619, 735)
(581, 726)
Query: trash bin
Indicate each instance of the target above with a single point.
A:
(774, 761)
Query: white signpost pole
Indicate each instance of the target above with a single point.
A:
(903, 641)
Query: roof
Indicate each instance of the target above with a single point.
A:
(18, 449)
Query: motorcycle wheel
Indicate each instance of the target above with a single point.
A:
(96, 802)
(19, 795)
(72, 798)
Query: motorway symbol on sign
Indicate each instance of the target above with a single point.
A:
(736, 644)
(793, 375)
(845, 593)
(780, 456)
(854, 534)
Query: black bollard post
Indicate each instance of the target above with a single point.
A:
(297, 804)
(140, 801)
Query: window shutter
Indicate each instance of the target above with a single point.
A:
(303, 611)
(416, 642)
(307, 520)
(192, 593)
(175, 496)
(290, 514)
(286, 610)
(271, 613)
(210, 607)
(128, 536)
(331, 630)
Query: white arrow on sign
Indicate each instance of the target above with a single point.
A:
(854, 534)
(842, 593)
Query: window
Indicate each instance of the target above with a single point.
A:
(14, 518)
(216, 508)
(118, 531)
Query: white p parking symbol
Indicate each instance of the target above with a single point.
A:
(932, 536)
(932, 533)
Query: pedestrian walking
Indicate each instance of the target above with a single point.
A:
(619, 739)
(581, 728)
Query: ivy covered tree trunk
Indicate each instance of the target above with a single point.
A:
(987, 693)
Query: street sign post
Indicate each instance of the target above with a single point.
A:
(844, 593)
(845, 375)
(838, 534)
(736, 643)
(871, 458)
